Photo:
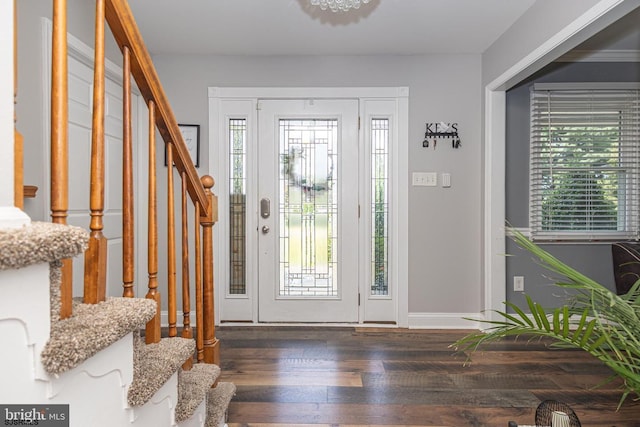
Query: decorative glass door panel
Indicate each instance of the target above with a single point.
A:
(308, 182)
(308, 208)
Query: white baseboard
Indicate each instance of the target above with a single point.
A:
(416, 321)
(445, 320)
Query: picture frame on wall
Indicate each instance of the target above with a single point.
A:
(191, 136)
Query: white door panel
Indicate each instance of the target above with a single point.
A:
(308, 245)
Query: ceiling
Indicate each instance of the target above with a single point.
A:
(381, 27)
(293, 27)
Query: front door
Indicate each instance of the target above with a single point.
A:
(308, 210)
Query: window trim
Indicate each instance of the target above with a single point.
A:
(630, 231)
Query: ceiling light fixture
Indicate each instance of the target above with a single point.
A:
(339, 5)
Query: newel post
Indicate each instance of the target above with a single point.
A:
(207, 220)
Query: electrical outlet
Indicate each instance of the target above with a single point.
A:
(518, 283)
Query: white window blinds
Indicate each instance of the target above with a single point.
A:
(584, 164)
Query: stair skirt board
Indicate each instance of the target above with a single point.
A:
(113, 360)
(199, 417)
(160, 408)
(27, 306)
(107, 372)
(17, 368)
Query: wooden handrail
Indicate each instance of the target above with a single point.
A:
(30, 191)
(126, 33)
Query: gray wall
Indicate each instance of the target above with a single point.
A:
(445, 244)
(542, 22)
(444, 224)
(594, 260)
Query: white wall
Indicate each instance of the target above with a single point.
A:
(6, 104)
(444, 224)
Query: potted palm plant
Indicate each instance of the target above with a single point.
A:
(593, 318)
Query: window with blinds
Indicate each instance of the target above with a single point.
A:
(584, 163)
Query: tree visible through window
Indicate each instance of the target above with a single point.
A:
(584, 164)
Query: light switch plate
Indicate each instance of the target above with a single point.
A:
(425, 179)
(446, 180)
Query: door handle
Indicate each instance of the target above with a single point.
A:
(265, 229)
(265, 208)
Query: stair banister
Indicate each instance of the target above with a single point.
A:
(171, 246)
(126, 33)
(60, 141)
(95, 257)
(137, 64)
(208, 219)
(186, 294)
(152, 332)
(128, 254)
(198, 286)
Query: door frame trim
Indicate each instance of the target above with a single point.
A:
(400, 182)
(591, 21)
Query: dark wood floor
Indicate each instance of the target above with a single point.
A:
(370, 377)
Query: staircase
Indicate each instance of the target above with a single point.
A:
(107, 357)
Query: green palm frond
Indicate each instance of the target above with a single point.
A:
(594, 319)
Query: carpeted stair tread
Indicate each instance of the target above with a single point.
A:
(218, 399)
(40, 242)
(153, 365)
(192, 388)
(91, 328)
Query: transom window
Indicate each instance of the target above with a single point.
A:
(584, 163)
